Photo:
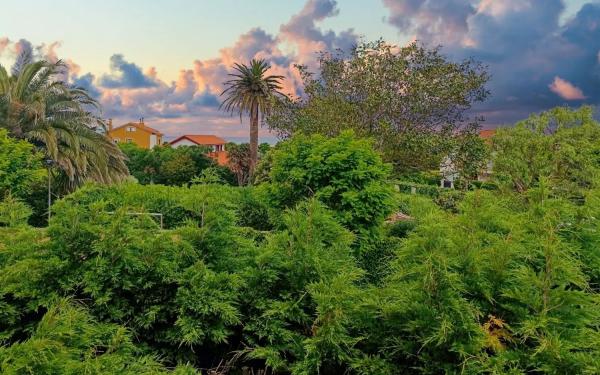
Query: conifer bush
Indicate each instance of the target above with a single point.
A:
(507, 281)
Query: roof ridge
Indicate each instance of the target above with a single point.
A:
(201, 139)
(139, 125)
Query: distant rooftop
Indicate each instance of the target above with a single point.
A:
(487, 133)
(139, 125)
(201, 139)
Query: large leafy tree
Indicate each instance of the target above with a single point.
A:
(412, 100)
(251, 90)
(37, 105)
(561, 146)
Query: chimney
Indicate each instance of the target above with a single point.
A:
(110, 127)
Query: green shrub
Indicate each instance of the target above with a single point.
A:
(449, 199)
(69, 341)
(402, 228)
(343, 172)
(164, 200)
(170, 166)
(299, 277)
(252, 209)
(20, 167)
(13, 212)
(421, 189)
(493, 282)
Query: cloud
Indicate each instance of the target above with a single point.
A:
(536, 60)
(86, 82)
(181, 98)
(522, 42)
(126, 75)
(4, 41)
(22, 47)
(432, 20)
(191, 103)
(566, 89)
(255, 43)
(302, 31)
(206, 99)
(49, 52)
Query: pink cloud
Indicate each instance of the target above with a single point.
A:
(49, 52)
(191, 103)
(22, 46)
(302, 32)
(566, 89)
(4, 42)
(211, 74)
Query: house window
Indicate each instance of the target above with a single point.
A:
(131, 128)
(116, 140)
(129, 140)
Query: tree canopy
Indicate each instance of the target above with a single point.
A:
(412, 100)
(560, 147)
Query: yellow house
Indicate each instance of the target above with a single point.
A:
(135, 132)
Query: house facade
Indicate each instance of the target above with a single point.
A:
(135, 132)
(216, 145)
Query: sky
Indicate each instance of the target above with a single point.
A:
(166, 60)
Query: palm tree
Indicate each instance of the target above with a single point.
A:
(251, 91)
(35, 104)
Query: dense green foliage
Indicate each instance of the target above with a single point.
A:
(36, 104)
(170, 166)
(13, 211)
(68, 341)
(20, 167)
(412, 100)
(23, 177)
(268, 277)
(344, 173)
(561, 146)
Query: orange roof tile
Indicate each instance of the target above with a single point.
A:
(200, 139)
(487, 133)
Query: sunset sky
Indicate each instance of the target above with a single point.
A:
(166, 60)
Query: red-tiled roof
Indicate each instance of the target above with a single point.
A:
(487, 133)
(200, 139)
(141, 126)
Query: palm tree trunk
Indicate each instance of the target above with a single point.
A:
(253, 140)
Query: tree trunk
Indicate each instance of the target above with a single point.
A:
(253, 140)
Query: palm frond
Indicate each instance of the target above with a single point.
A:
(37, 105)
